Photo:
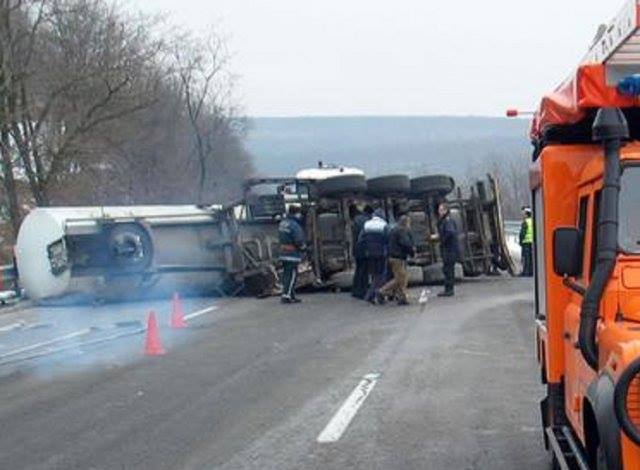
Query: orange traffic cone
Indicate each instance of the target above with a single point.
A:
(153, 346)
(177, 313)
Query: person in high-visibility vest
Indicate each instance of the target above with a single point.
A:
(526, 242)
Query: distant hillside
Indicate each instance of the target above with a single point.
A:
(413, 145)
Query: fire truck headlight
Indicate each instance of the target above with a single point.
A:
(630, 86)
(626, 401)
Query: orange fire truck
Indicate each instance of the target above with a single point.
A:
(585, 181)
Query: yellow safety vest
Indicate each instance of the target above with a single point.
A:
(528, 235)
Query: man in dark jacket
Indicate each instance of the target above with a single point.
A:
(449, 250)
(361, 275)
(374, 239)
(401, 247)
(292, 244)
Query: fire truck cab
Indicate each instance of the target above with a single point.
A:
(585, 181)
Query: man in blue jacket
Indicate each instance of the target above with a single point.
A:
(361, 275)
(292, 244)
(374, 239)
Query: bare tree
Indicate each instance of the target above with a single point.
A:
(200, 65)
(19, 23)
(96, 65)
(99, 106)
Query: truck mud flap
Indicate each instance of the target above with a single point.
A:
(566, 450)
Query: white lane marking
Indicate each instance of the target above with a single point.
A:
(47, 351)
(193, 315)
(35, 326)
(473, 353)
(59, 339)
(78, 346)
(12, 326)
(340, 421)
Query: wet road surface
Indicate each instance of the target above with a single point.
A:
(329, 383)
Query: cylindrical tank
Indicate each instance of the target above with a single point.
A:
(123, 252)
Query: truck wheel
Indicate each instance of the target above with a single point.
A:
(438, 184)
(389, 185)
(260, 285)
(130, 249)
(469, 270)
(341, 185)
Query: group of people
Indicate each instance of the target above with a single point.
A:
(381, 252)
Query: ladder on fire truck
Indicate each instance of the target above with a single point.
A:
(617, 46)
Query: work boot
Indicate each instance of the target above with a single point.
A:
(285, 299)
(295, 300)
(446, 293)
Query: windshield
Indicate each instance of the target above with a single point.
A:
(629, 234)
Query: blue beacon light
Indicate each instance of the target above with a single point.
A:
(630, 86)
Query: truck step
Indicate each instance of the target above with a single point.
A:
(567, 451)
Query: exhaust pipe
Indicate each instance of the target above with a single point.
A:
(610, 127)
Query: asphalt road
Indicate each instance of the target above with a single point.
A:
(253, 384)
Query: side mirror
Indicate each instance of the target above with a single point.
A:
(567, 251)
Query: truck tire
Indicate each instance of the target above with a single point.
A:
(389, 185)
(341, 185)
(130, 248)
(438, 184)
(469, 269)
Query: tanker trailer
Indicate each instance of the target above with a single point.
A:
(127, 252)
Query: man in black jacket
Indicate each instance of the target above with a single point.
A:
(449, 250)
(401, 247)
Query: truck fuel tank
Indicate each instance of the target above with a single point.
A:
(125, 251)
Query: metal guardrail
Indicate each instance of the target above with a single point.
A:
(8, 277)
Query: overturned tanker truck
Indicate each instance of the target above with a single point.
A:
(118, 253)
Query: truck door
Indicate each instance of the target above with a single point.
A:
(577, 372)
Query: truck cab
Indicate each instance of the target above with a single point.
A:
(585, 182)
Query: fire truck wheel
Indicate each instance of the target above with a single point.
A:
(437, 184)
(342, 185)
(388, 185)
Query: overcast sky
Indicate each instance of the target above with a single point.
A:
(400, 57)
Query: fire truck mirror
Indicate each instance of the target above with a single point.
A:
(567, 251)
